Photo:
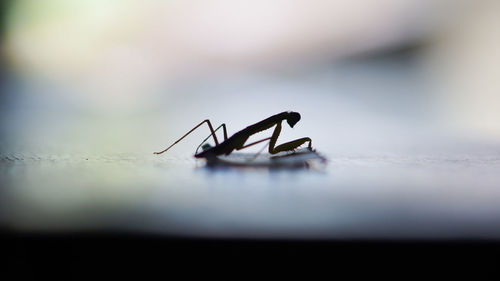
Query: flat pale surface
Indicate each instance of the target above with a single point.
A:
(355, 196)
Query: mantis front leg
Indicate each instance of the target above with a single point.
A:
(288, 146)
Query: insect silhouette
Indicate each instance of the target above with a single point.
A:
(238, 140)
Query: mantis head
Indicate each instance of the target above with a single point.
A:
(293, 118)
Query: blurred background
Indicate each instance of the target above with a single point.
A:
(89, 89)
(122, 72)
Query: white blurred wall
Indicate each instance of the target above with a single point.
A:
(126, 66)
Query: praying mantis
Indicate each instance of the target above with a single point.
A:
(237, 141)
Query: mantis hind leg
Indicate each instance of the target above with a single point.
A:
(213, 134)
(288, 146)
(196, 127)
